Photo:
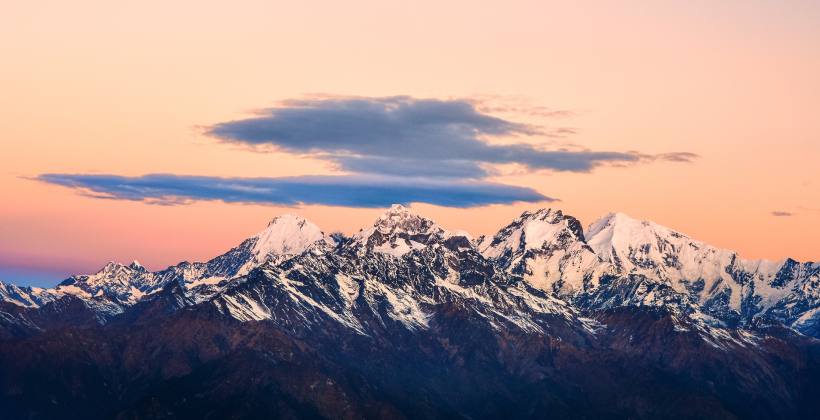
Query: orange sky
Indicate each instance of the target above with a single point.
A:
(98, 87)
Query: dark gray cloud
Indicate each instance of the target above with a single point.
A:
(349, 191)
(437, 137)
(780, 213)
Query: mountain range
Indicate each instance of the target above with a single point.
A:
(405, 319)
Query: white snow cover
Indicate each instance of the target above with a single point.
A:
(395, 226)
(534, 231)
(245, 308)
(643, 247)
(29, 297)
(287, 235)
(398, 248)
(124, 281)
(559, 256)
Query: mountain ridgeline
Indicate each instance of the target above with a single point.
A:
(405, 319)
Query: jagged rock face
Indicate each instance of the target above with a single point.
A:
(798, 306)
(380, 293)
(717, 282)
(120, 282)
(546, 248)
(399, 231)
(29, 297)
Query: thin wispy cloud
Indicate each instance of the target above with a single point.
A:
(349, 191)
(780, 213)
(517, 106)
(682, 157)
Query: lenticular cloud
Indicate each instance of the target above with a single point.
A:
(350, 191)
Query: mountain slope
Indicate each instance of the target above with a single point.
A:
(546, 248)
(723, 285)
(394, 273)
(116, 286)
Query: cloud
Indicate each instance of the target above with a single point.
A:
(429, 137)
(451, 168)
(517, 105)
(779, 213)
(349, 191)
(393, 149)
(683, 157)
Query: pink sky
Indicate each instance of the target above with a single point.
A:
(105, 88)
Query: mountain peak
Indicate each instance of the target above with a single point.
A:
(543, 214)
(533, 230)
(398, 231)
(287, 218)
(615, 217)
(112, 267)
(135, 265)
(401, 219)
(618, 225)
(285, 235)
(642, 247)
(398, 208)
(397, 211)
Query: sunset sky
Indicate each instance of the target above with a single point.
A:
(157, 130)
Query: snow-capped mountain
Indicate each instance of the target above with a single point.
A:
(394, 272)
(617, 261)
(29, 297)
(399, 231)
(723, 285)
(124, 282)
(546, 248)
(285, 235)
(116, 286)
(542, 317)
